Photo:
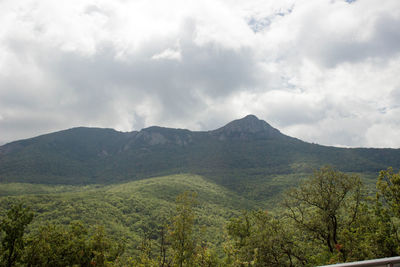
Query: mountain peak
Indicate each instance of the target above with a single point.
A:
(249, 125)
(251, 122)
(250, 117)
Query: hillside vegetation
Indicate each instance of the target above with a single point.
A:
(241, 195)
(128, 209)
(247, 150)
(185, 220)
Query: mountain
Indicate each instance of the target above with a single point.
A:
(250, 127)
(244, 152)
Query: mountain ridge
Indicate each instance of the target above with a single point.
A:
(240, 152)
(247, 124)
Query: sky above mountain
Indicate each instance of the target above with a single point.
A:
(325, 71)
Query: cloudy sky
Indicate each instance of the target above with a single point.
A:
(325, 71)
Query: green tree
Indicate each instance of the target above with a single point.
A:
(206, 256)
(181, 234)
(163, 247)
(324, 206)
(370, 237)
(376, 232)
(146, 257)
(258, 239)
(388, 193)
(56, 245)
(388, 212)
(103, 251)
(13, 228)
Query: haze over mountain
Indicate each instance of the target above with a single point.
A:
(243, 151)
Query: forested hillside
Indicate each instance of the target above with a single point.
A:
(129, 209)
(242, 195)
(243, 153)
(185, 220)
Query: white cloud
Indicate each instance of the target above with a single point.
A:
(321, 70)
(383, 135)
(168, 54)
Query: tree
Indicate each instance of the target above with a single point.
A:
(145, 257)
(325, 205)
(258, 239)
(181, 234)
(376, 232)
(103, 250)
(388, 194)
(14, 226)
(56, 245)
(388, 212)
(206, 256)
(163, 243)
(177, 244)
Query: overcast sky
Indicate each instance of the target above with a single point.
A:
(325, 71)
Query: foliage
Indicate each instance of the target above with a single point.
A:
(325, 205)
(178, 243)
(130, 210)
(181, 230)
(258, 239)
(388, 210)
(12, 228)
(389, 190)
(56, 245)
(327, 218)
(240, 156)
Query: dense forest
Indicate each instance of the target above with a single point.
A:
(329, 217)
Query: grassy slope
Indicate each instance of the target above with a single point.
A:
(127, 210)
